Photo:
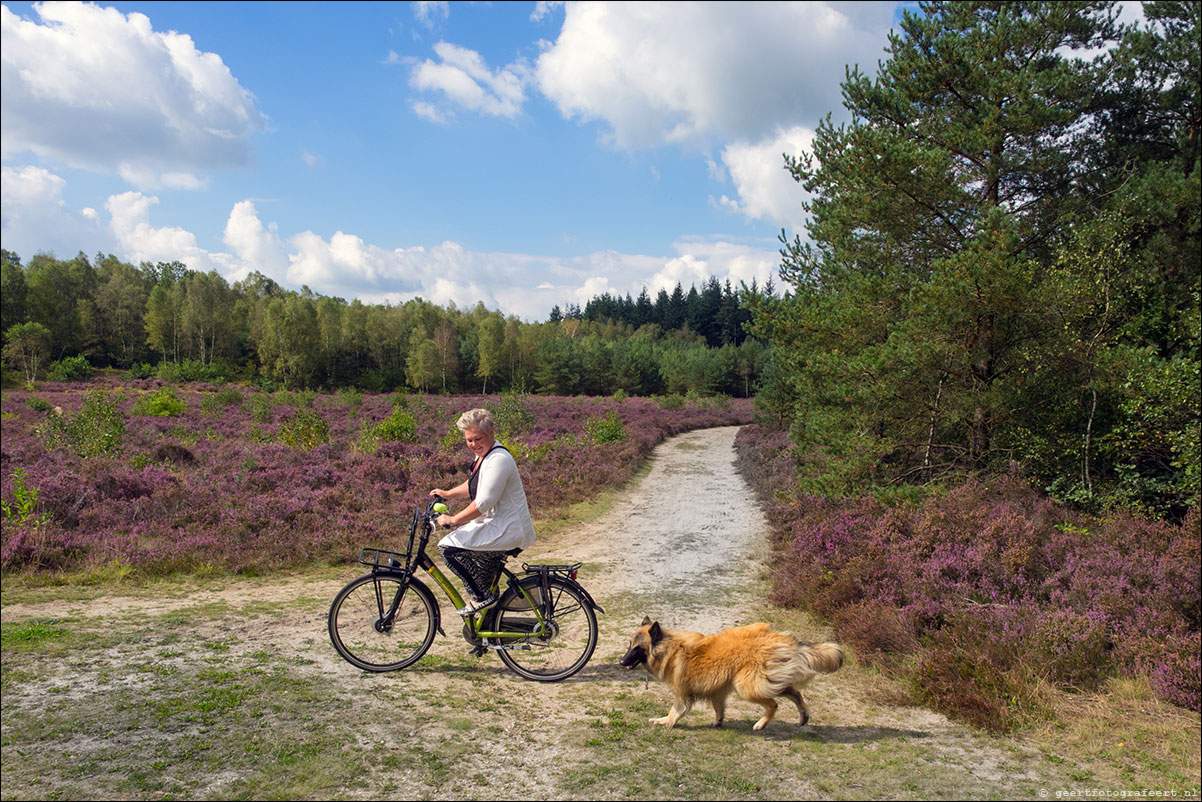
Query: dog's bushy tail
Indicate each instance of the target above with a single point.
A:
(824, 658)
(801, 662)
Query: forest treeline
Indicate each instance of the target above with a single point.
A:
(1004, 260)
(71, 315)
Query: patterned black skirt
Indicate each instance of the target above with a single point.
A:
(477, 569)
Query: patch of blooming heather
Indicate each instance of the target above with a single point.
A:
(988, 584)
(218, 486)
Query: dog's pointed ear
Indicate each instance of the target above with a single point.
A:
(646, 621)
(656, 633)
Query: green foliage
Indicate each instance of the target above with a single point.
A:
(23, 509)
(351, 397)
(214, 403)
(38, 404)
(306, 430)
(260, 407)
(606, 430)
(301, 399)
(96, 429)
(671, 402)
(981, 288)
(162, 403)
(511, 415)
(27, 344)
(141, 370)
(70, 369)
(399, 427)
(189, 370)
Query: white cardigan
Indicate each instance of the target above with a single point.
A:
(504, 521)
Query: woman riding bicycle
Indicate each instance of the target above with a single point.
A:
(495, 522)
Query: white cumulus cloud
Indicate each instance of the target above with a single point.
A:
(104, 91)
(692, 73)
(36, 216)
(766, 190)
(467, 82)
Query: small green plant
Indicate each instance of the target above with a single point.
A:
(38, 404)
(141, 370)
(97, 428)
(162, 403)
(511, 415)
(25, 503)
(672, 402)
(603, 431)
(305, 431)
(301, 399)
(260, 408)
(216, 403)
(351, 397)
(70, 369)
(453, 438)
(397, 427)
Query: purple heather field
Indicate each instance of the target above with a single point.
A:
(989, 586)
(978, 594)
(233, 482)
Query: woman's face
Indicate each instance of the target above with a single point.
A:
(479, 442)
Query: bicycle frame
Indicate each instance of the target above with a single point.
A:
(417, 558)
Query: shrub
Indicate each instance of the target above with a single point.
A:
(140, 370)
(399, 427)
(672, 402)
(307, 430)
(162, 403)
(23, 508)
(260, 408)
(511, 415)
(215, 403)
(38, 404)
(96, 429)
(70, 369)
(604, 431)
(988, 586)
(351, 397)
(189, 370)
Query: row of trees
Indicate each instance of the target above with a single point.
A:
(116, 314)
(1004, 259)
(716, 311)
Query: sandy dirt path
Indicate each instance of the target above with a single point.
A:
(684, 544)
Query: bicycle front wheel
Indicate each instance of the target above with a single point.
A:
(370, 635)
(556, 651)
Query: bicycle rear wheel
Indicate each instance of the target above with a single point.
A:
(367, 637)
(560, 651)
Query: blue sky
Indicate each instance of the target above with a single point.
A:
(520, 154)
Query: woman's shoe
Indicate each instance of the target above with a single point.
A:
(477, 606)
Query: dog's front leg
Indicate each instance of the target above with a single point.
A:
(681, 707)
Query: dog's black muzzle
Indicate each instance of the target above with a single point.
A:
(633, 658)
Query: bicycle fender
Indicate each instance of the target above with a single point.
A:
(418, 586)
(587, 597)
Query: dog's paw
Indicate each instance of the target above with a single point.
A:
(666, 721)
(759, 725)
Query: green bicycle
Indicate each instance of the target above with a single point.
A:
(544, 627)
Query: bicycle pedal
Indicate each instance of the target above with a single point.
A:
(478, 651)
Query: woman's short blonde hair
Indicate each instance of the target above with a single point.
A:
(479, 419)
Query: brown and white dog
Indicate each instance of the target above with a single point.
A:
(753, 661)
